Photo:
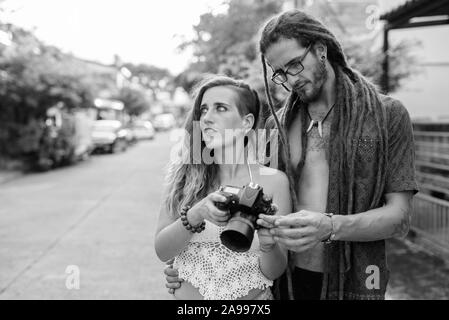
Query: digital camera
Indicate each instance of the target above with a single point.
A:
(244, 205)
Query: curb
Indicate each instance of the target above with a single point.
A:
(7, 176)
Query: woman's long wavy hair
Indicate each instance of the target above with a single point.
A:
(189, 179)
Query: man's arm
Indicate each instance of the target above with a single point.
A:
(389, 221)
(393, 219)
(303, 230)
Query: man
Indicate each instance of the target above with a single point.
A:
(349, 154)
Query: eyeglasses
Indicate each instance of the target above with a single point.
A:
(294, 68)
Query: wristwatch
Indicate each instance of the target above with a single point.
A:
(332, 235)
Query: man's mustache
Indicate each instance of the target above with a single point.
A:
(299, 85)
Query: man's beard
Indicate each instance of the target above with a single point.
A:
(319, 76)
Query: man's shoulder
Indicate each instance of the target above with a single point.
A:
(395, 110)
(393, 107)
(398, 117)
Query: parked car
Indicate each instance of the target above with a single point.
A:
(109, 136)
(164, 121)
(64, 139)
(143, 130)
(130, 135)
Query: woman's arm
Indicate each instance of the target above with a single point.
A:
(172, 236)
(273, 261)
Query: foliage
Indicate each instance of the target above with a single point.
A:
(227, 43)
(369, 62)
(134, 100)
(36, 77)
(33, 78)
(151, 78)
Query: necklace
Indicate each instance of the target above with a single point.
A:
(318, 123)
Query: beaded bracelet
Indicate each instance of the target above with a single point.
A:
(187, 224)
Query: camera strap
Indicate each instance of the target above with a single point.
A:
(249, 171)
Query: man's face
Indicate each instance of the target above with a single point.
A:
(309, 83)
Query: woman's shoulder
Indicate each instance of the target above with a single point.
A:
(272, 177)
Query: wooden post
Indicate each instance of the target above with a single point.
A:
(385, 65)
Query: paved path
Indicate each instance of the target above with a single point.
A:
(100, 216)
(415, 273)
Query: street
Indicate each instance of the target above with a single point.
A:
(416, 274)
(100, 215)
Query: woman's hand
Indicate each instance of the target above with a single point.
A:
(266, 240)
(205, 209)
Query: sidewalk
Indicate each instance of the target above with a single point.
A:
(6, 176)
(416, 274)
(10, 169)
(114, 246)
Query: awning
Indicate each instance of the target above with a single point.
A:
(418, 13)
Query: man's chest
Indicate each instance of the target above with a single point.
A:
(316, 151)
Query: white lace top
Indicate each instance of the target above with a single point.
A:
(218, 272)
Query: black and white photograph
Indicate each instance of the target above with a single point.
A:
(240, 151)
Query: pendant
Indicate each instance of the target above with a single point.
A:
(320, 128)
(312, 123)
(319, 124)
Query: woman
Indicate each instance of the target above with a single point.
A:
(209, 269)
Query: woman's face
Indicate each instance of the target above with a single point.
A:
(219, 113)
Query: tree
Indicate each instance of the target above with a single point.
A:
(151, 77)
(188, 78)
(369, 62)
(36, 76)
(134, 100)
(227, 43)
(33, 78)
(357, 26)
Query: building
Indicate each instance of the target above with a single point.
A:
(424, 93)
(430, 221)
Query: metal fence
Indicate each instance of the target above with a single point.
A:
(431, 206)
(430, 220)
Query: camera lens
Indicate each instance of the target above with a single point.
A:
(238, 234)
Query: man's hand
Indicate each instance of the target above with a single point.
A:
(171, 275)
(299, 231)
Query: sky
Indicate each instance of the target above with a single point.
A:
(149, 31)
(139, 31)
